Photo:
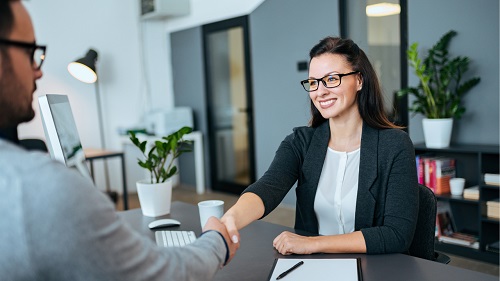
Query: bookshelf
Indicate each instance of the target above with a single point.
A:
(469, 216)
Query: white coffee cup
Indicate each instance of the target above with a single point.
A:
(210, 208)
(457, 186)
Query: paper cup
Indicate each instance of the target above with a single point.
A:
(457, 186)
(210, 208)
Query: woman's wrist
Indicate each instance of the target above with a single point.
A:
(314, 244)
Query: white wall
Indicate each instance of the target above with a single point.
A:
(130, 86)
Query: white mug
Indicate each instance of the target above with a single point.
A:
(457, 186)
(210, 208)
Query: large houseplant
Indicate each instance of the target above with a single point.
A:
(155, 193)
(439, 93)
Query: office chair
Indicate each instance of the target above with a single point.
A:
(34, 144)
(422, 245)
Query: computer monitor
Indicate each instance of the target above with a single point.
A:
(61, 134)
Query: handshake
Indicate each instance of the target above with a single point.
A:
(230, 234)
(210, 212)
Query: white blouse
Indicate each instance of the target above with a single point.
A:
(335, 201)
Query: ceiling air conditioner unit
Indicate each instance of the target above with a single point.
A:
(160, 9)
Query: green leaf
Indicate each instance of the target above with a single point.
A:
(172, 172)
(142, 146)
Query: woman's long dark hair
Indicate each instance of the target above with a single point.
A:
(369, 98)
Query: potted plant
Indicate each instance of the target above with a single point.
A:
(155, 192)
(440, 90)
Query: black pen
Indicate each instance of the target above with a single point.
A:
(289, 270)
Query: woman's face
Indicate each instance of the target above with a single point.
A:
(341, 100)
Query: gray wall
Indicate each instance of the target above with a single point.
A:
(476, 23)
(189, 88)
(282, 33)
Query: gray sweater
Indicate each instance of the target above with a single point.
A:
(54, 225)
(387, 198)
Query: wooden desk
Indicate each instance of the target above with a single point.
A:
(95, 154)
(254, 259)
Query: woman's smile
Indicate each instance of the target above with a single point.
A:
(327, 103)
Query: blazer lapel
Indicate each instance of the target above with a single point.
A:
(315, 157)
(365, 205)
(312, 167)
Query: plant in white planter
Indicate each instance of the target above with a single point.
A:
(439, 94)
(155, 193)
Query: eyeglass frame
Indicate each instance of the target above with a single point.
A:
(26, 45)
(340, 75)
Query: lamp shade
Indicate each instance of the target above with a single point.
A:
(84, 69)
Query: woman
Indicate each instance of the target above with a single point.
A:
(357, 182)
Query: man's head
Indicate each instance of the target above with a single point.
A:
(18, 71)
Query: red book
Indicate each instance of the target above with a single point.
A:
(427, 178)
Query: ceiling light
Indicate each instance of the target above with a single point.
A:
(382, 9)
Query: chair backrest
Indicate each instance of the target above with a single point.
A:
(33, 144)
(422, 245)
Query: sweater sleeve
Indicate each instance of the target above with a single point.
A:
(400, 210)
(81, 237)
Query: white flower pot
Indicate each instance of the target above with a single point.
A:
(437, 132)
(155, 199)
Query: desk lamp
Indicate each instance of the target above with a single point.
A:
(84, 69)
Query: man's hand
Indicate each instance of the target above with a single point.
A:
(290, 243)
(215, 224)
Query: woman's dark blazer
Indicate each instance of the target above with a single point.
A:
(387, 199)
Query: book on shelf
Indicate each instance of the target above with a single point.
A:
(493, 208)
(471, 192)
(492, 179)
(444, 224)
(420, 168)
(435, 172)
(446, 231)
(461, 239)
(492, 247)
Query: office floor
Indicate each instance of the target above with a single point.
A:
(286, 216)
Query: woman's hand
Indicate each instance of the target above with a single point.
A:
(290, 243)
(229, 221)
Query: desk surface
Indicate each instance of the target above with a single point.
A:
(254, 259)
(94, 153)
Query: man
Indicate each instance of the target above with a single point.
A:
(53, 225)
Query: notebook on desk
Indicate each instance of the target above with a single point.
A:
(318, 269)
(174, 238)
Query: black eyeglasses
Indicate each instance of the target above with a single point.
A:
(329, 81)
(36, 52)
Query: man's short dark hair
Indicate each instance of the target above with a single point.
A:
(6, 18)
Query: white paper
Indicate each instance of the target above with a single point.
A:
(317, 269)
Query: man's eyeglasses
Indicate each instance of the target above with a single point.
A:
(329, 81)
(36, 52)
